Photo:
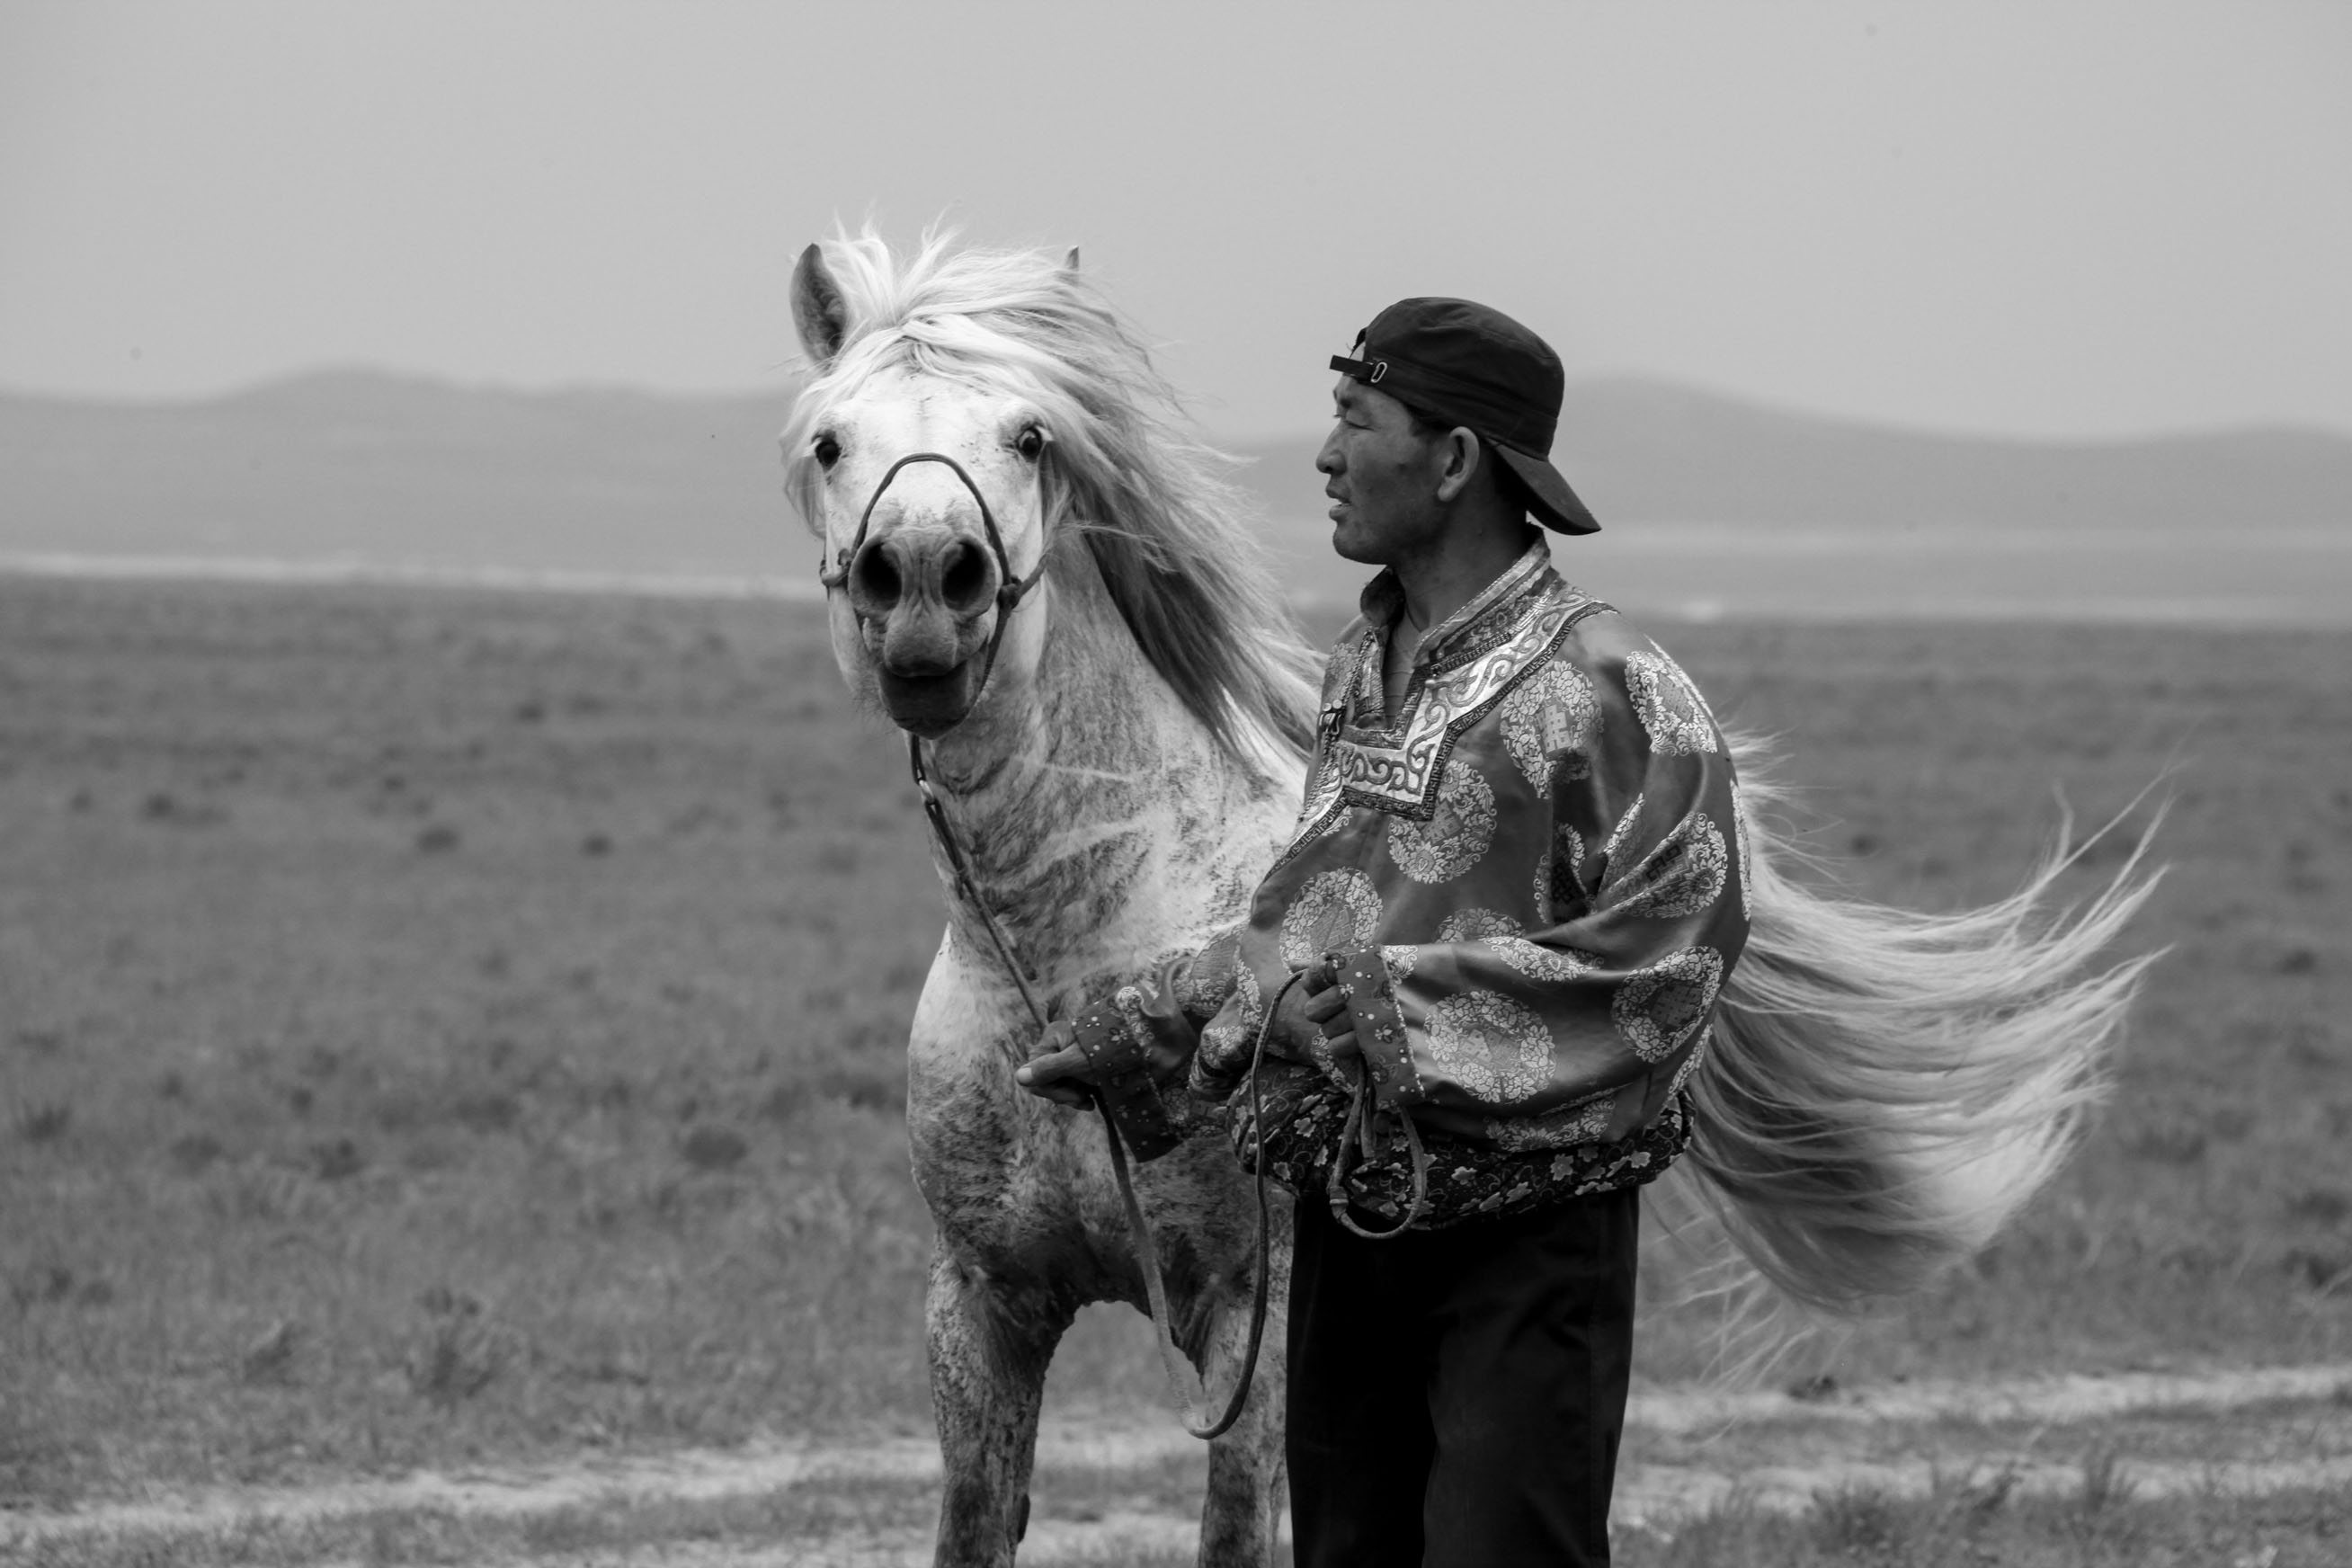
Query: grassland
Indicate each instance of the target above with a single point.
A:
(437, 1027)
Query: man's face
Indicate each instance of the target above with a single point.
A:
(1382, 478)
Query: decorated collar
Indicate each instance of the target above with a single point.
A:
(1511, 625)
(1384, 600)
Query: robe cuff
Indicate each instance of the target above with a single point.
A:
(1128, 1042)
(1378, 1024)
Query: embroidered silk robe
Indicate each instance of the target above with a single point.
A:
(1533, 875)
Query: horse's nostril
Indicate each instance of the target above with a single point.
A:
(964, 581)
(874, 581)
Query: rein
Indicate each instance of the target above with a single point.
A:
(1189, 1393)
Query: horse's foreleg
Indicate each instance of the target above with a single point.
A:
(989, 1348)
(1243, 1506)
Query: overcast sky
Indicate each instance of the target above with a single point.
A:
(2050, 219)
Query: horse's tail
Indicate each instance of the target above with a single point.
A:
(1883, 1088)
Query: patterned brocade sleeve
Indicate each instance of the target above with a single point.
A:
(1141, 1043)
(1577, 1025)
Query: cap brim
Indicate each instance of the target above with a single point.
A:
(1548, 498)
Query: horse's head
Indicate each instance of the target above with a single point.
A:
(926, 484)
(1040, 432)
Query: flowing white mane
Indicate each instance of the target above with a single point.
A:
(1169, 537)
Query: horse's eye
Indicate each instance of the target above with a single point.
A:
(827, 451)
(1031, 443)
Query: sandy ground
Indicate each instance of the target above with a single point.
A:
(2240, 1431)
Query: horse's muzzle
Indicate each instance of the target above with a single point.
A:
(929, 705)
(922, 602)
(951, 571)
(921, 595)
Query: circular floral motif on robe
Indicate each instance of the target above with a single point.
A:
(1496, 1048)
(1537, 962)
(1689, 1066)
(1559, 892)
(1456, 834)
(1399, 960)
(1552, 713)
(1209, 979)
(1335, 911)
(1668, 705)
(1586, 1121)
(1657, 1010)
(1682, 875)
(1472, 925)
(1225, 1045)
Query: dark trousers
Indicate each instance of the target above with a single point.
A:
(1456, 1397)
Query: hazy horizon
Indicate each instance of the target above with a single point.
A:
(1710, 506)
(1247, 441)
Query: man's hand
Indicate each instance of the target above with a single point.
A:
(1326, 1008)
(1058, 1072)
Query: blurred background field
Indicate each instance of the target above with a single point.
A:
(441, 1023)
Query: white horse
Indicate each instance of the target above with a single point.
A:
(1121, 749)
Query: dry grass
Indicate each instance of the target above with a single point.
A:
(502, 999)
(448, 1025)
(1966, 1525)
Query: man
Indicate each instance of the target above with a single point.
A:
(1514, 893)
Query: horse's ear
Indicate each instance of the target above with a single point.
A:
(1070, 262)
(817, 311)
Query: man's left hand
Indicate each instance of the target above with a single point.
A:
(1058, 1072)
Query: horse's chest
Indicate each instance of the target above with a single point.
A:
(983, 1155)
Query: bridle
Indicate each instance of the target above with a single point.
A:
(1011, 592)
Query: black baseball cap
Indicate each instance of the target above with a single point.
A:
(1463, 362)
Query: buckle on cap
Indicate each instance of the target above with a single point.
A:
(1369, 372)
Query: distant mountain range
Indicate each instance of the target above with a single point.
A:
(1641, 452)
(378, 469)
(1710, 503)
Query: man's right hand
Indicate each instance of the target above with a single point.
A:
(1327, 1009)
(1058, 1072)
(1302, 1030)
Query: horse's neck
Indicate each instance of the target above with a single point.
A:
(1101, 821)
